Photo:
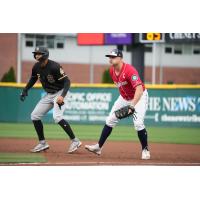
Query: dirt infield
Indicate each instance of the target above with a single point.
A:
(114, 153)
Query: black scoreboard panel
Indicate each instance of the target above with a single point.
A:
(182, 37)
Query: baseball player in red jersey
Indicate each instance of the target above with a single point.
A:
(133, 94)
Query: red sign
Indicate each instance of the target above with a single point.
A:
(90, 38)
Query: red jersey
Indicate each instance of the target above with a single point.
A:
(126, 81)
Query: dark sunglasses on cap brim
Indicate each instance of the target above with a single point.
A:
(112, 57)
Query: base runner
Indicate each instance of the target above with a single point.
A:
(56, 84)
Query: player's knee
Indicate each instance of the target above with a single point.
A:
(139, 126)
(57, 118)
(110, 121)
(35, 116)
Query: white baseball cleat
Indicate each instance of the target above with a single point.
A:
(94, 148)
(145, 154)
(76, 143)
(43, 145)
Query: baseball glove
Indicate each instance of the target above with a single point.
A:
(125, 112)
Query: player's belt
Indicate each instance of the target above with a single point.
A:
(52, 91)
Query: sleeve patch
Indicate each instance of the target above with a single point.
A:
(61, 71)
(134, 78)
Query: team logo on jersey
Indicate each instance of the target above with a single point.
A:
(61, 71)
(119, 84)
(134, 78)
(50, 78)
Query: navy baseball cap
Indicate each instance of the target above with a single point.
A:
(115, 53)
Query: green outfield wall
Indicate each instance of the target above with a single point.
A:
(169, 105)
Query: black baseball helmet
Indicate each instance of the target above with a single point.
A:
(41, 50)
(115, 53)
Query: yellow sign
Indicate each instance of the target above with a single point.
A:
(151, 37)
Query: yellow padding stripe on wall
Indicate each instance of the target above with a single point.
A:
(85, 85)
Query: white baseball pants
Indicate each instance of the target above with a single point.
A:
(140, 107)
(47, 103)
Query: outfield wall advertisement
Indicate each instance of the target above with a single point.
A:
(85, 105)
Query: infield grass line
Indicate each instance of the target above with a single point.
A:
(21, 158)
(92, 132)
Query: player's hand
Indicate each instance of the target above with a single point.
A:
(131, 108)
(60, 100)
(23, 95)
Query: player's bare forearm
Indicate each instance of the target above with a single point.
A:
(138, 94)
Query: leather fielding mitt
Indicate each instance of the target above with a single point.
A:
(126, 111)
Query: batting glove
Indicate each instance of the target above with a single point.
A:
(23, 95)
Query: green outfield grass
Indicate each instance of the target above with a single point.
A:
(21, 158)
(92, 132)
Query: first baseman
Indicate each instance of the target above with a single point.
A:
(133, 101)
(56, 84)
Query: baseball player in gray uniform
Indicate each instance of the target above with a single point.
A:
(56, 83)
